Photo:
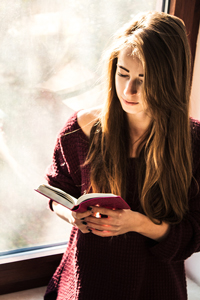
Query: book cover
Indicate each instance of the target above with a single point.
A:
(81, 204)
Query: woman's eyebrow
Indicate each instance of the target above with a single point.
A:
(123, 68)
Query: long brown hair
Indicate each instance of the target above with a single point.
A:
(165, 158)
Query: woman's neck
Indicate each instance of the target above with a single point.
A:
(138, 125)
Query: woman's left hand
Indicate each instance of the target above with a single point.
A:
(107, 222)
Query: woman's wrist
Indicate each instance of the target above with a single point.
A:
(63, 212)
(151, 230)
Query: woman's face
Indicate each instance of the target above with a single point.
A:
(129, 79)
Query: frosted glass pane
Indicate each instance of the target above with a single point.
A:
(49, 57)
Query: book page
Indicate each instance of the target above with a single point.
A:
(93, 195)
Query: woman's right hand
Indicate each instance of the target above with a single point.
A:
(73, 218)
(79, 220)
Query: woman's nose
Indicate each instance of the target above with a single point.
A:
(131, 88)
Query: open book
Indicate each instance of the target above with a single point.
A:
(100, 199)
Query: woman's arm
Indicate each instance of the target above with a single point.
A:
(175, 242)
(152, 230)
(73, 218)
(122, 221)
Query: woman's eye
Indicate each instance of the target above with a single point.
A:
(122, 75)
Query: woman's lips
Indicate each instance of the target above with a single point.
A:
(130, 102)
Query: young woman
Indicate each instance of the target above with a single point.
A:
(143, 146)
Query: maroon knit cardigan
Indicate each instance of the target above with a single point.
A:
(128, 266)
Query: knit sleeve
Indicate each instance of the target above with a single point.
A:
(69, 154)
(184, 238)
(58, 173)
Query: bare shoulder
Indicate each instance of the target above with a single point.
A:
(87, 117)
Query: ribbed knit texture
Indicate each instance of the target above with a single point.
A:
(128, 266)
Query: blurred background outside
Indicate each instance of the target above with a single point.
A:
(49, 68)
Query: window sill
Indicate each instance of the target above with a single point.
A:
(27, 269)
(37, 293)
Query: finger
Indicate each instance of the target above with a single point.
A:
(83, 215)
(108, 224)
(107, 211)
(108, 221)
(102, 228)
(91, 220)
(85, 230)
(82, 226)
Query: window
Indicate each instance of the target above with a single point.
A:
(49, 58)
(49, 67)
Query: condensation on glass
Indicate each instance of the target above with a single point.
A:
(49, 67)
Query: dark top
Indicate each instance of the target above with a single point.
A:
(128, 266)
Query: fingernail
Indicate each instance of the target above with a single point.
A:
(90, 230)
(104, 216)
(84, 223)
(83, 219)
(89, 208)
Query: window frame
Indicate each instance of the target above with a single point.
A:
(31, 268)
(189, 12)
